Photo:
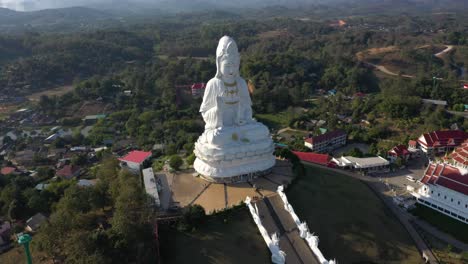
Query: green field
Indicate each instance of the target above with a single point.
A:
(274, 121)
(353, 225)
(235, 241)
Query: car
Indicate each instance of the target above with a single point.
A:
(410, 178)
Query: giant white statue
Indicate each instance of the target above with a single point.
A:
(234, 147)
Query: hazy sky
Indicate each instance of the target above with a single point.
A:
(29, 5)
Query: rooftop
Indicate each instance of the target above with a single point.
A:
(7, 170)
(68, 171)
(443, 138)
(366, 162)
(322, 159)
(136, 156)
(447, 176)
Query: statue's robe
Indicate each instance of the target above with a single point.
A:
(217, 114)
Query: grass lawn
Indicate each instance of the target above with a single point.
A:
(234, 241)
(442, 222)
(17, 255)
(352, 223)
(274, 121)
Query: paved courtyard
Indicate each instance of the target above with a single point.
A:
(183, 188)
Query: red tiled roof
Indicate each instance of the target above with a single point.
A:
(198, 86)
(136, 156)
(400, 150)
(322, 159)
(7, 170)
(444, 138)
(447, 176)
(460, 154)
(325, 137)
(412, 143)
(68, 171)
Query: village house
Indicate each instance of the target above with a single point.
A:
(198, 89)
(135, 160)
(400, 151)
(24, 158)
(68, 172)
(326, 142)
(9, 171)
(35, 222)
(440, 142)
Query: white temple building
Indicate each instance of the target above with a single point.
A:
(445, 189)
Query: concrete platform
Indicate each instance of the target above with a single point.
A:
(183, 189)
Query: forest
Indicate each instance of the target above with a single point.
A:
(302, 69)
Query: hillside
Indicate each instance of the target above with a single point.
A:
(79, 18)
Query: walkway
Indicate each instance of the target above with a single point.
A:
(277, 220)
(404, 218)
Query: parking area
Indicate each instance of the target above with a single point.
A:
(398, 180)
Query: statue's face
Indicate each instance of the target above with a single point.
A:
(229, 68)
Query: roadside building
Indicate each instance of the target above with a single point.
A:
(198, 89)
(68, 172)
(435, 102)
(135, 160)
(400, 151)
(315, 158)
(86, 183)
(326, 142)
(445, 189)
(366, 165)
(440, 142)
(151, 186)
(92, 119)
(34, 223)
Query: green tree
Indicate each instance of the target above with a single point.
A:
(175, 161)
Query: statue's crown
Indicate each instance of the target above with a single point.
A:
(227, 46)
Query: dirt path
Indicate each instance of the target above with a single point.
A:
(383, 69)
(446, 50)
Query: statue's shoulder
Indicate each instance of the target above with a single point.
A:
(214, 82)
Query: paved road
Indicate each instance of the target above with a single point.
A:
(404, 218)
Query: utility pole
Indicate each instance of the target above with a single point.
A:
(25, 240)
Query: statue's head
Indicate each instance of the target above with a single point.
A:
(227, 58)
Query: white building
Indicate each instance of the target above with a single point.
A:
(369, 165)
(445, 189)
(134, 160)
(151, 186)
(326, 142)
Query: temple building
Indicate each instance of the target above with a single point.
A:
(440, 142)
(459, 157)
(445, 189)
